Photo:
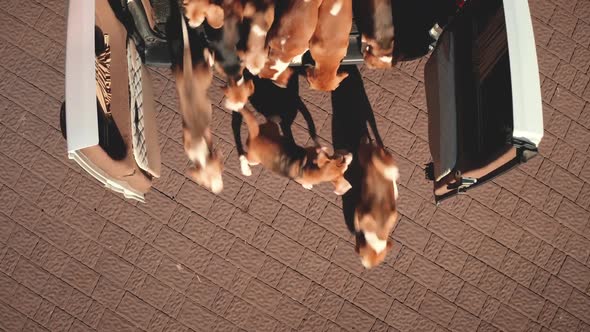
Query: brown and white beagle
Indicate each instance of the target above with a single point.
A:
(329, 44)
(260, 16)
(289, 37)
(307, 166)
(192, 83)
(376, 212)
(375, 22)
(196, 11)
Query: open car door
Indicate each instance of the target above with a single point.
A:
(109, 102)
(483, 96)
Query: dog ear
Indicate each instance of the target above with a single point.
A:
(322, 158)
(214, 16)
(250, 86)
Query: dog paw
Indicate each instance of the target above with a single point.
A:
(244, 166)
(246, 171)
(194, 23)
(216, 185)
(233, 106)
(392, 173)
(343, 188)
(307, 186)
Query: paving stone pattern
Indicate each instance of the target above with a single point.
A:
(267, 255)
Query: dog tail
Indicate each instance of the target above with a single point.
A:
(251, 122)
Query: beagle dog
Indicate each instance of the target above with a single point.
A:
(192, 82)
(375, 22)
(329, 44)
(267, 146)
(260, 16)
(376, 213)
(224, 42)
(326, 168)
(196, 11)
(289, 37)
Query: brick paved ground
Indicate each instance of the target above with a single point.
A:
(513, 255)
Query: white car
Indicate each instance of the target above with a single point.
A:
(109, 103)
(481, 80)
(483, 95)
